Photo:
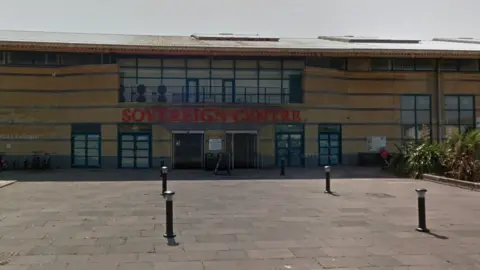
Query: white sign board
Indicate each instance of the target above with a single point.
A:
(375, 143)
(215, 144)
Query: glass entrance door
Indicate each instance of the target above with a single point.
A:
(329, 145)
(86, 150)
(187, 150)
(242, 148)
(291, 147)
(135, 150)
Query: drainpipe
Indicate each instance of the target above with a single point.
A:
(439, 94)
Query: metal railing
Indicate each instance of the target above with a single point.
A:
(183, 94)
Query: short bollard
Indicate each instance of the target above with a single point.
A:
(282, 166)
(169, 214)
(164, 179)
(422, 220)
(327, 180)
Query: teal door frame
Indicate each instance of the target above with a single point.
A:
(72, 150)
(288, 161)
(135, 135)
(224, 90)
(329, 133)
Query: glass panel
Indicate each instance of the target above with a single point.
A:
(94, 144)
(142, 162)
(79, 161)
(451, 102)
(174, 63)
(79, 137)
(323, 136)
(323, 151)
(407, 117)
(334, 151)
(192, 91)
(334, 160)
(93, 161)
(450, 130)
(324, 160)
(79, 152)
(127, 138)
(296, 140)
(409, 131)
(289, 128)
(451, 117)
(334, 137)
(143, 145)
(282, 141)
(128, 153)
(79, 144)
(128, 145)
(143, 153)
(423, 117)
(334, 143)
(127, 162)
(143, 138)
(423, 103)
(329, 128)
(150, 62)
(92, 152)
(323, 143)
(407, 103)
(466, 103)
(295, 157)
(467, 117)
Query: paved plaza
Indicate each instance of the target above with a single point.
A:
(235, 224)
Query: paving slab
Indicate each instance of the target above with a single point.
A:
(231, 224)
(4, 183)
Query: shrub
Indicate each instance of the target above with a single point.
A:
(460, 156)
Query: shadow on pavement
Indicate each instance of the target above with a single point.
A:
(349, 172)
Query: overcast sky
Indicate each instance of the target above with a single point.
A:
(285, 18)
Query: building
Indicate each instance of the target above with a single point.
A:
(119, 101)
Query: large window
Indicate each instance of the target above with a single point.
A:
(416, 119)
(402, 64)
(206, 80)
(459, 113)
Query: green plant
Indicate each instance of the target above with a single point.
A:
(460, 156)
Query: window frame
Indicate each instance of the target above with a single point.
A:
(415, 111)
(458, 110)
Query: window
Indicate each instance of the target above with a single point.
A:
(2, 58)
(459, 113)
(404, 64)
(448, 65)
(327, 62)
(415, 113)
(380, 64)
(468, 65)
(72, 59)
(26, 58)
(424, 64)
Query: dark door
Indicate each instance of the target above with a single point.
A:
(329, 145)
(135, 150)
(242, 147)
(187, 149)
(290, 146)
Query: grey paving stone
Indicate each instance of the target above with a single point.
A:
(228, 224)
(136, 266)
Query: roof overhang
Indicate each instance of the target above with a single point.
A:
(231, 51)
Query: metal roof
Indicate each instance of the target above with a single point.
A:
(10, 39)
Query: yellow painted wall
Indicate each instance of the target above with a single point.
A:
(364, 103)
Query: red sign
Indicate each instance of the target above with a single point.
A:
(209, 115)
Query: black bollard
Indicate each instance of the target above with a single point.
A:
(169, 214)
(422, 220)
(282, 166)
(164, 179)
(327, 180)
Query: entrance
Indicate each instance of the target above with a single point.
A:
(135, 150)
(329, 145)
(289, 144)
(187, 150)
(242, 148)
